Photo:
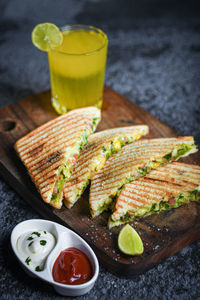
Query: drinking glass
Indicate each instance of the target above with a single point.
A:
(77, 68)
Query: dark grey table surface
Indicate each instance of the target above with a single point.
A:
(154, 60)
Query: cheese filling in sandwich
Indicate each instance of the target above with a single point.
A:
(100, 147)
(167, 187)
(50, 151)
(132, 162)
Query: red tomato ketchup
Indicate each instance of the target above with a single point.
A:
(72, 266)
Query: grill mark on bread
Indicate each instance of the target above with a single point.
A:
(50, 160)
(66, 119)
(52, 139)
(37, 150)
(52, 136)
(35, 165)
(49, 180)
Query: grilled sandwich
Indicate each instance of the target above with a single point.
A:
(94, 155)
(132, 162)
(50, 151)
(167, 187)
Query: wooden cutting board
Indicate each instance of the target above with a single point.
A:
(163, 234)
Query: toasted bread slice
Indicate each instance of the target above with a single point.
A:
(132, 162)
(167, 187)
(50, 151)
(94, 155)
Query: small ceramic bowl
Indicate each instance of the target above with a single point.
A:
(65, 238)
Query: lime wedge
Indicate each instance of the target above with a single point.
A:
(129, 241)
(46, 36)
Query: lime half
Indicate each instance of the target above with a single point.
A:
(46, 36)
(129, 241)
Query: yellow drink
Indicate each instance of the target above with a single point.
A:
(77, 68)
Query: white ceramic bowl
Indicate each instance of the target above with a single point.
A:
(65, 238)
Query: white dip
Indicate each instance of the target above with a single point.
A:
(34, 247)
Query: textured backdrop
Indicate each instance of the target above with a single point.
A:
(154, 60)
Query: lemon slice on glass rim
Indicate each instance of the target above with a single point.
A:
(129, 241)
(46, 36)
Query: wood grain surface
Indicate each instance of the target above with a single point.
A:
(163, 233)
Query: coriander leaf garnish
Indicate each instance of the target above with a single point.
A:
(43, 242)
(28, 260)
(29, 238)
(45, 232)
(30, 243)
(36, 233)
(37, 269)
(167, 157)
